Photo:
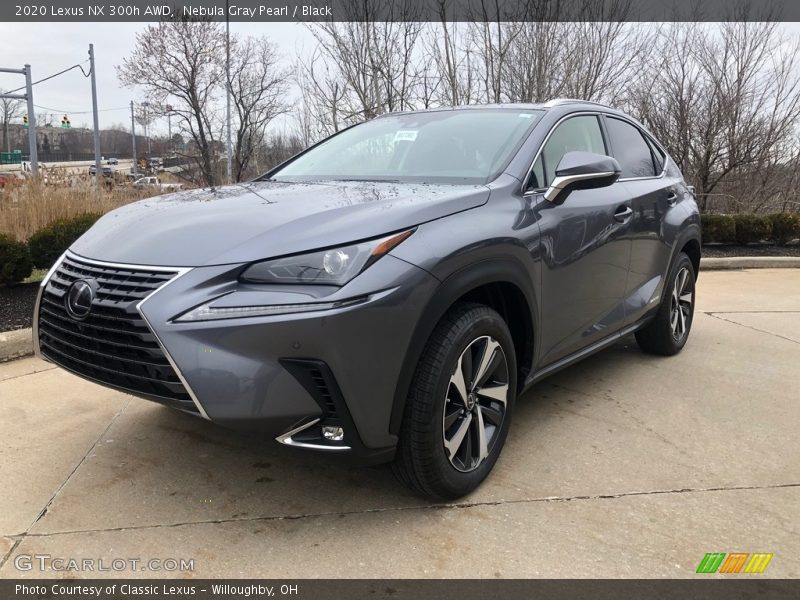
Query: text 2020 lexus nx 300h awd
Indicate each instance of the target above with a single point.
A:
(389, 292)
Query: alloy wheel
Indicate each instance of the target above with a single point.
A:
(475, 406)
(681, 304)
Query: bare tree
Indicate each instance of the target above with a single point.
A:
(450, 76)
(492, 36)
(725, 100)
(373, 54)
(183, 60)
(9, 110)
(323, 92)
(258, 86)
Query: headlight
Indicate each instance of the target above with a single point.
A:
(335, 266)
(207, 312)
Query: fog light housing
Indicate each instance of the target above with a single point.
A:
(334, 433)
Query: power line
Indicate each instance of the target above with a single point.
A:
(78, 66)
(79, 112)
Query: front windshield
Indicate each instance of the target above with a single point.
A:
(448, 146)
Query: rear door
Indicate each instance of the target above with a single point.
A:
(584, 248)
(653, 192)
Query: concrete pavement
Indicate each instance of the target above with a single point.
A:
(626, 465)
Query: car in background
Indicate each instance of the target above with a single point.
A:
(152, 181)
(388, 293)
(112, 161)
(107, 171)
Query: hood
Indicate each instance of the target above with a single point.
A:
(254, 221)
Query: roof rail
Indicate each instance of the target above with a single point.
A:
(560, 101)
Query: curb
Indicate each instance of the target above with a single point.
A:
(749, 262)
(15, 344)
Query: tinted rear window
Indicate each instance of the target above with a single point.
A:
(630, 149)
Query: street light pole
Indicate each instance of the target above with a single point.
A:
(33, 150)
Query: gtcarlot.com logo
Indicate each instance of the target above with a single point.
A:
(734, 562)
(46, 562)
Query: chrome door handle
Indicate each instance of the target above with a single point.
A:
(623, 213)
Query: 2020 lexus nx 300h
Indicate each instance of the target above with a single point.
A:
(389, 292)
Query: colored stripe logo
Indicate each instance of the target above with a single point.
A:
(735, 562)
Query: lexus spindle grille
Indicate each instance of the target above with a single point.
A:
(112, 344)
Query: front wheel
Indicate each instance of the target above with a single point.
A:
(667, 333)
(459, 406)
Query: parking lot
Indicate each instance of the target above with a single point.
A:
(626, 465)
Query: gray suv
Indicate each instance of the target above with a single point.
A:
(389, 292)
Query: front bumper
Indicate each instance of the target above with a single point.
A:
(258, 372)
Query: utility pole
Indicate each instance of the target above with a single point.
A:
(228, 88)
(146, 125)
(34, 153)
(98, 169)
(170, 149)
(133, 138)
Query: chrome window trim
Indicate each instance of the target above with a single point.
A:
(585, 113)
(594, 114)
(179, 272)
(286, 439)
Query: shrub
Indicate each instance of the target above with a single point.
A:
(718, 229)
(50, 242)
(751, 229)
(15, 261)
(785, 227)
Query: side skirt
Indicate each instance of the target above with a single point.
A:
(578, 356)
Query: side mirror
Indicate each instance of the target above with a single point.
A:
(582, 171)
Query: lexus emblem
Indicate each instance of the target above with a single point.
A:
(79, 299)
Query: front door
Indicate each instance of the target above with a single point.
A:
(584, 248)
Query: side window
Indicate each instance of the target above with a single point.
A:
(576, 133)
(630, 149)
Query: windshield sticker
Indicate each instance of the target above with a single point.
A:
(405, 135)
(525, 115)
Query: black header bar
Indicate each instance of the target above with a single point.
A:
(105, 11)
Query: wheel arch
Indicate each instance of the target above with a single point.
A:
(502, 284)
(692, 249)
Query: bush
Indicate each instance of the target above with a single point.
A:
(50, 242)
(785, 227)
(751, 229)
(718, 229)
(15, 261)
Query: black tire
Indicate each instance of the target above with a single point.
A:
(659, 335)
(465, 334)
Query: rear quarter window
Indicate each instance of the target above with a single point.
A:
(630, 148)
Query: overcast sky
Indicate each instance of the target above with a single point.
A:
(51, 47)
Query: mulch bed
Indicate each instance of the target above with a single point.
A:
(16, 301)
(16, 305)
